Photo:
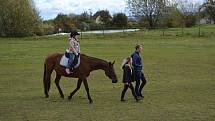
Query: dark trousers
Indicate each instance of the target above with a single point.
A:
(139, 87)
(126, 86)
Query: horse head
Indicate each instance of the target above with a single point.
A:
(110, 72)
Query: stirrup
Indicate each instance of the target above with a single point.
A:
(68, 71)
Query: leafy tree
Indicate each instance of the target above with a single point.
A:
(189, 12)
(120, 20)
(209, 9)
(143, 23)
(19, 18)
(63, 23)
(81, 21)
(174, 18)
(151, 10)
(84, 17)
(48, 27)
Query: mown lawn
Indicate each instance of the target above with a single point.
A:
(180, 73)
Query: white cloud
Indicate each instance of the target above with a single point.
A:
(50, 8)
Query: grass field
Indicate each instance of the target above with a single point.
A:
(180, 73)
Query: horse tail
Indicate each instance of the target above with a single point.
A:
(49, 65)
(44, 76)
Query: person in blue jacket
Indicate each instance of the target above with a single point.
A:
(139, 75)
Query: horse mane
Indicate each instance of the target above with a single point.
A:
(94, 58)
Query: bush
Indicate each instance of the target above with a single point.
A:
(94, 26)
(190, 20)
(119, 20)
(47, 29)
(63, 23)
(143, 23)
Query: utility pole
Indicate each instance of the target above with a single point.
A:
(199, 20)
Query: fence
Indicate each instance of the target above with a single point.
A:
(205, 30)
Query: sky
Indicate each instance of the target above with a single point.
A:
(49, 9)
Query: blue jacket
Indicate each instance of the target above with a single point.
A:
(137, 63)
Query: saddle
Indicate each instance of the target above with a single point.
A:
(64, 61)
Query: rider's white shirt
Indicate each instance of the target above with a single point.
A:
(75, 44)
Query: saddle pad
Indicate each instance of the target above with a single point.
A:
(64, 62)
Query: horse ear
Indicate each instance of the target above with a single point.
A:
(110, 63)
(113, 62)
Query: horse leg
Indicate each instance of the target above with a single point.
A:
(77, 88)
(57, 80)
(87, 90)
(47, 82)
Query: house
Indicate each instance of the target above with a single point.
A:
(102, 16)
(206, 21)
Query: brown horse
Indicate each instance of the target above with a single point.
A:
(87, 64)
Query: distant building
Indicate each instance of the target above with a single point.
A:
(98, 15)
(98, 20)
(206, 21)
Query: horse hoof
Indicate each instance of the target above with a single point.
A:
(69, 97)
(62, 97)
(91, 101)
(47, 96)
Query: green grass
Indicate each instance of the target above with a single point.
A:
(180, 73)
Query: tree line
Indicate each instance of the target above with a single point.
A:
(171, 13)
(85, 21)
(21, 18)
